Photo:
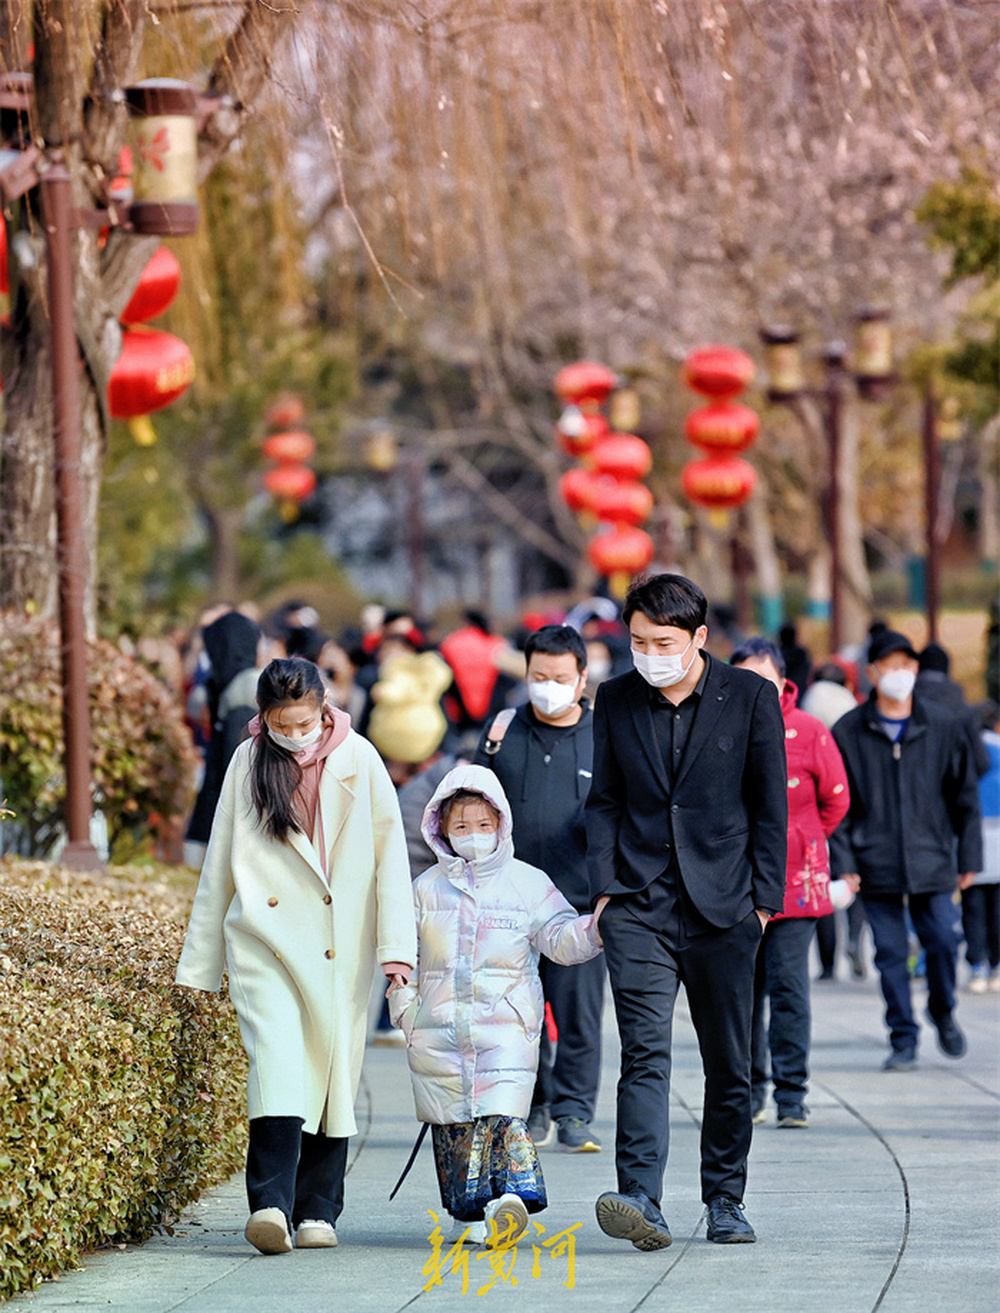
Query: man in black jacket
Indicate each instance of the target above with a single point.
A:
(913, 795)
(543, 756)
(686, 825)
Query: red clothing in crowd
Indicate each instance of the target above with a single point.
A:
(818, 798)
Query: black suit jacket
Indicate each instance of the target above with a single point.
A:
(725, 820)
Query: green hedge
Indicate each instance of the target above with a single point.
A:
(121, 1096)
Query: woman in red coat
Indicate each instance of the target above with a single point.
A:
(818, 798)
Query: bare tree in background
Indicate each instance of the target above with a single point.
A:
(84, 51)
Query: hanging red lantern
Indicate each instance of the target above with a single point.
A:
(586, 382)
(577, 431)
(156, 288)
(153, 370)
(620, 503)
(625, 550)
(577, 487)
(292, 448)
(722, 426)
(719, 482)
(721, 372)
(290, 482)
(286, 411)
(623, 456)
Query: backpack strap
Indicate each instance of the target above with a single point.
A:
(495, 733)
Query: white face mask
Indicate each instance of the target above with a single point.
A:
(660, 670)
(897, 685)
(550, 697)
(299, 744)
(598, 669)
(473, 847)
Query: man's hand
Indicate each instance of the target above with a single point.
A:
(602, 903)
(764, 917)
(964, 881)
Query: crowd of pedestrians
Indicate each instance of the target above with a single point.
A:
(503, 823)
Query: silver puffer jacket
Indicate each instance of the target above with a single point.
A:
(473, 1010)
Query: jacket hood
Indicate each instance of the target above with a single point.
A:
(476, 779)
(789, 697)
(231, 646)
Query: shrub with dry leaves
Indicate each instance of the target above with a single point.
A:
(121, 1096)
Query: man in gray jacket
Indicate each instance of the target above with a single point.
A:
(543, 757)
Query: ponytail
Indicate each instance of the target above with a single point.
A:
(274, 773)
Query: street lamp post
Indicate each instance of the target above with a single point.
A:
(872, 376)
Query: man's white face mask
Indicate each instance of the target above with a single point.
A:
(897, 685)
(550, 697)
(660, 670)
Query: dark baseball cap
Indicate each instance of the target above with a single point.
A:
(888, 641)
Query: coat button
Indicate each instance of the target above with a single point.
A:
(675, 808)
(272, 902)
(330, 953)
(327, 899)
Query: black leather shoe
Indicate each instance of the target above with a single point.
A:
(726, 1223)
(950, 1039)
(633, 1217)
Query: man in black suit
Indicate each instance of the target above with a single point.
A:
(686, 833)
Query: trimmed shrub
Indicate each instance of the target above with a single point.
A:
(121, 1096)
(142, 757)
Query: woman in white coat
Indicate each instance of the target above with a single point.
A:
(305, 885)
(473, 1019)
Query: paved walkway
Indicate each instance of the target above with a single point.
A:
(890, 1200)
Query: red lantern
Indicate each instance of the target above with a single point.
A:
(585, 382)
(577, 487)
(290, 482)
(621, 503)
(285, 412)
(718, 482)
(623, 456)
(153, 370)
(722, 427)
(577, 432)
(156, 288)
(292, 448)
(624, 551)
(718, 371)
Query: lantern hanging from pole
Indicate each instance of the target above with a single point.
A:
(576, 487)
(153, 370)
(718, 482)
(722, 426)
(721, 372)
(620, 503)
(156, 288)
(290, 482)
(585, 383)
(623, 456)
(164, 156)
(625, 550)
(293, 447)
(286, 411)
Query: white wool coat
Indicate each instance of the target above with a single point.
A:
(473, 1012)
(301, 947)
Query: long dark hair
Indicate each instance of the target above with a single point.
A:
(274, 773)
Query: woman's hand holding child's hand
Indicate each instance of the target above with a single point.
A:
(398, 974)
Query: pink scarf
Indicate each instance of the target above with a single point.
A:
(336, 725)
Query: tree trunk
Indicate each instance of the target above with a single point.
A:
(855, 584)
(224, 524)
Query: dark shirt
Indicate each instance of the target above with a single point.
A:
(672, 725)
(657, 903)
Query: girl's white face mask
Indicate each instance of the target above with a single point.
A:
(660, 670)
(473, 847)
(550, 697)
(897, 685)
(296, 745)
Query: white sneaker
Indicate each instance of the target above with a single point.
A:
(267, 1231)
(312, 1234)
(470, 1233)
(994, 985)
(978, 980)
(506, 1218)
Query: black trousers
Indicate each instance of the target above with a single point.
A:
(782, 978)
(290, 1169)
(716, 967)
(568, 1078)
